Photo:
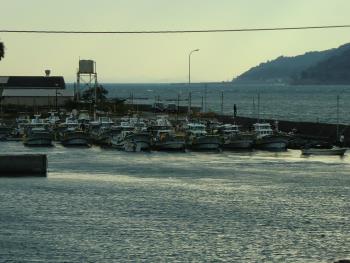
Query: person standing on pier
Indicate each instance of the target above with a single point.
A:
(234, 110)
(341, 140)
(2, 50)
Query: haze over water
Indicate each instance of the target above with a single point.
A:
(99, 205)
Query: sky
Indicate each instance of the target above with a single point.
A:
(163, 58)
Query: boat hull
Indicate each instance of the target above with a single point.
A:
(38, 139)
(75, 139)
(140, 141)
(132, 143)
(271, 143)
(37, 142)
(238, 145)
(170, 146)
(205, 143)
(314, 151)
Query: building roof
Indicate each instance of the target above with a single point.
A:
(32, 82)
(36, 93)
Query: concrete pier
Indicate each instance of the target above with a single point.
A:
(12, 165)
(320, 131)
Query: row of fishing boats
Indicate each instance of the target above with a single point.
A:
(134, 134)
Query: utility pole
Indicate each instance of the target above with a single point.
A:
(56, 101)
(189, 102)
(258, 107)
(178, 106)
(222, 102)
(205, 97)
(337, 117)
(202, 105)
(253, 113)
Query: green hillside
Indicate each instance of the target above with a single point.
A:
(307, 68)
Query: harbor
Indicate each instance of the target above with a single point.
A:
(157, 132)
(174, 131)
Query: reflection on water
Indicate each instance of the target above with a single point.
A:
(101, 205)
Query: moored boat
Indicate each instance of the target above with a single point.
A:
(165, 140)
(37, 133)
(164, 137)
(322, 151)
(197, 139)
(234, 139)
(71, 133)
(266, 139)
(100, 131)
(133, 136)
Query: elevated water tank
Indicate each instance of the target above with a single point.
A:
(86, 67)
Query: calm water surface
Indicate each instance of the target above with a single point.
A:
(99, 205)
(296, 103)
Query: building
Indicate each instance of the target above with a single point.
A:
(34, 91)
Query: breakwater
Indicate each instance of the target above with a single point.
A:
(307, 130)
(12, 165)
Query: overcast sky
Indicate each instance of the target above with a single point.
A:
(164, 58)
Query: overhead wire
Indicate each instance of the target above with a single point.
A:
(172, 31)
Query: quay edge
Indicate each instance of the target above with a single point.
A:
(23, 165)
(308, 130)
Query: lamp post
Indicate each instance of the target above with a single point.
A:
(189, 65)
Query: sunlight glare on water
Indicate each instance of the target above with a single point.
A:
(101, 205)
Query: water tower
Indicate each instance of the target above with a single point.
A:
(86, 76)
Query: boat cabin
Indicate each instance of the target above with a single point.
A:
(196, 129)
(262, 129)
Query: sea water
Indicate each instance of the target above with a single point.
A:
(282, 102)
(102, 205)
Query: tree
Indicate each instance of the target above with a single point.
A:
(2, 50)
(89, 94)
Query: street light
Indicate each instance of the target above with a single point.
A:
(189, 65)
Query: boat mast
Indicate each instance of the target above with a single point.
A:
(337, 117)
(258, 107)
(205, 97)
(253, 113)
(222, 102)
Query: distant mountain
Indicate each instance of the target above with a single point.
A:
(333, 70)
(309, 68)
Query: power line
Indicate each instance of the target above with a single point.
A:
(172, 31)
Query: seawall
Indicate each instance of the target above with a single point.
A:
(312, 130)
(14, 165)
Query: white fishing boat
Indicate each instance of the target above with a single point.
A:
(133, 136)
(266, 139)
(164, 137)
(71, 133)
(53, 118)
(197, 138)
(22, 121)
(234, 139)
(84, 117)
(100, 130)
(37, 133)
(118, 141)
